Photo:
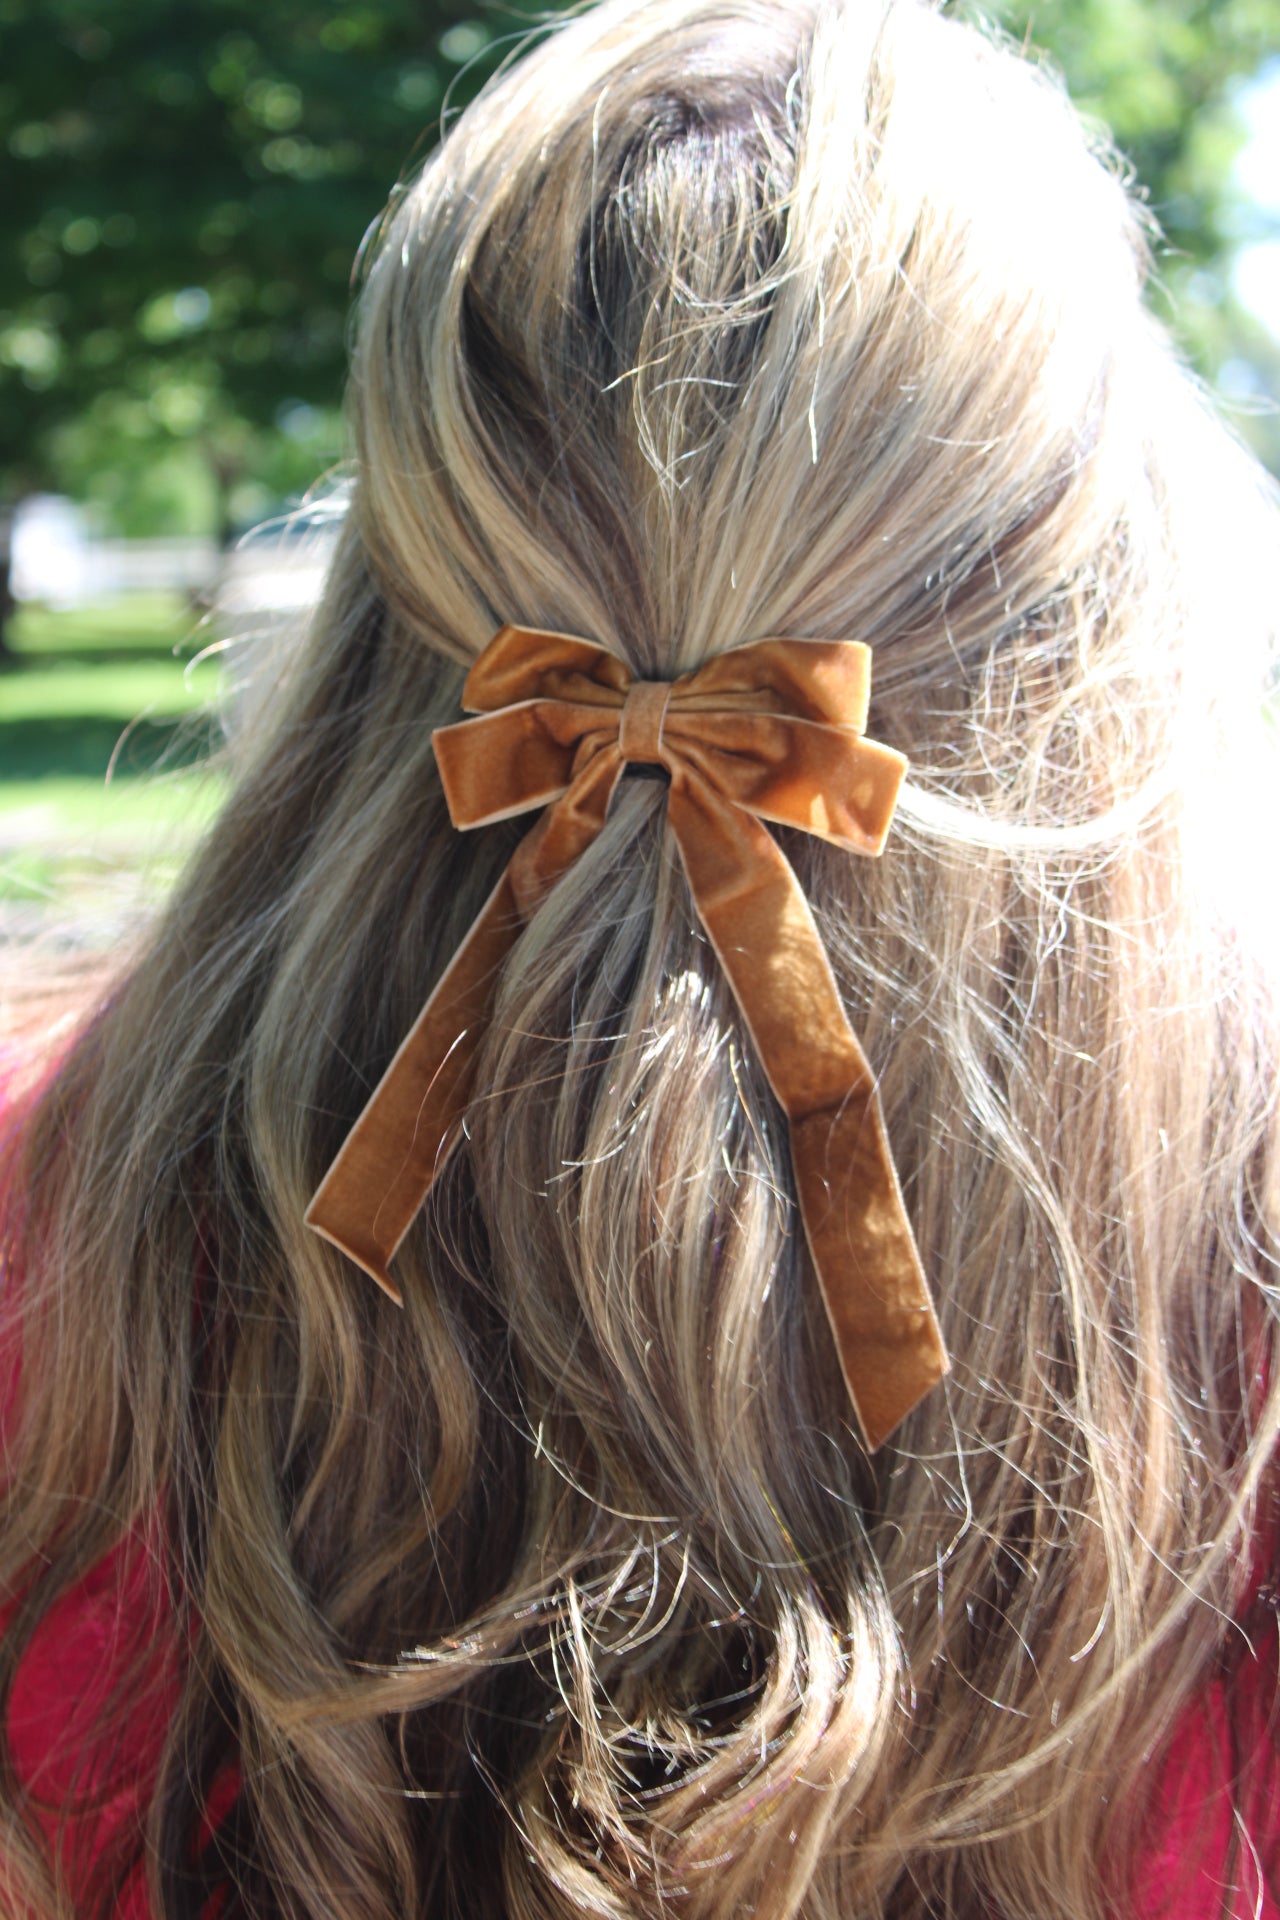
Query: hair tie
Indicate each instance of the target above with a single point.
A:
(770, 731)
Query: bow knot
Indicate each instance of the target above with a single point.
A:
(766, 732)
(640, 729)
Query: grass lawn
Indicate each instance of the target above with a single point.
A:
(105, 716)
(131, 624)
(114, 691)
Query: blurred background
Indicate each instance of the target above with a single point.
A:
(185, 187)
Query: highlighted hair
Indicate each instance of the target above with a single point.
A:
(569, 1590)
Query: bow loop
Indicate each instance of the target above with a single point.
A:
(525, 663)
(505, 763)
(826, 780)
(770, 731)
(828, 681)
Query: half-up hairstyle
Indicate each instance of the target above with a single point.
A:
(569, 1589)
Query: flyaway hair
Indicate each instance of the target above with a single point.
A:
(570, 1589)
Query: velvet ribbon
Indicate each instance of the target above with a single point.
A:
(770, 731)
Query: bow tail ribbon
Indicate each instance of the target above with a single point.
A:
(855, 1222)
(760, 925)
(385, 1168)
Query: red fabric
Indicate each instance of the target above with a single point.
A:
(117, 1624)
(77, 1658)
(1221, 1765)
(1220, 1761)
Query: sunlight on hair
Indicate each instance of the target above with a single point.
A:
(709, 321)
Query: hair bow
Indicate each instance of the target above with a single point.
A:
(770, 731)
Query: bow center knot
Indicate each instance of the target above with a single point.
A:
(640, 730)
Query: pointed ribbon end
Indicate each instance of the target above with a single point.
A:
(882, 1406)
(333, 1223)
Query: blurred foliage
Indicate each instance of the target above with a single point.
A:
(185, 190)
(186, 187)
(1165, 77)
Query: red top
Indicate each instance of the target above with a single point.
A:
(1220, 1761)
(77, 1655)
(1221, 1765)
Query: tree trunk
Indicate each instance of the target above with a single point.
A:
(6, 582)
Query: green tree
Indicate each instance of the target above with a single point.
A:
(1164, 76)
(185, 190)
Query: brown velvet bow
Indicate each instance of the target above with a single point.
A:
(771, 731)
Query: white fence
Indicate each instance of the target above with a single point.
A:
(271, 575)
(57, 560)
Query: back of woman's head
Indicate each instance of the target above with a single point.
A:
(571, 1588)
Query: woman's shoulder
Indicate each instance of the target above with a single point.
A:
(84, 1739)
(84, 1742)
(1212, 1841)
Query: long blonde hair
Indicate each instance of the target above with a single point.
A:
(569, 1589)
